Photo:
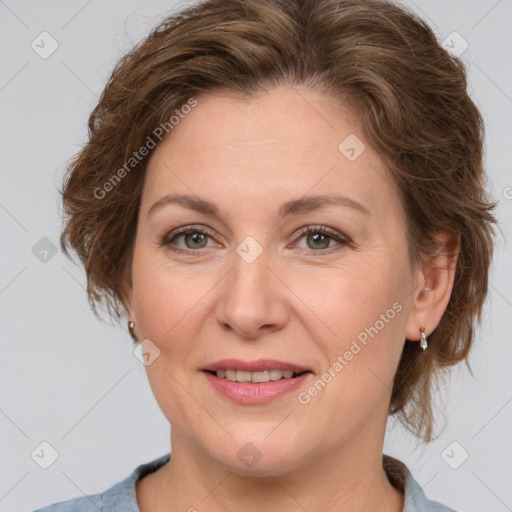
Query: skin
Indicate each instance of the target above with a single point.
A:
(249, 156)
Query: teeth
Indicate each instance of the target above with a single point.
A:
(242, 376)
(276, 374)
(263, 376)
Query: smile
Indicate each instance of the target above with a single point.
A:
(255, 393)
(258, 377)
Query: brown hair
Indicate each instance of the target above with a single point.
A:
(407, 92)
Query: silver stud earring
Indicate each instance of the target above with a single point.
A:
(131, 325)
(423, 341)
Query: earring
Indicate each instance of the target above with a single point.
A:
(423, 341)
(131, 325)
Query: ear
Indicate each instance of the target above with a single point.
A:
(434, 284)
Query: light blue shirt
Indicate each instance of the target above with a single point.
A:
(121, 497)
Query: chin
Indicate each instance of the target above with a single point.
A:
(260, 457)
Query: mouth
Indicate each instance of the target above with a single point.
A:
(259, 377)
(255, 382)
(258, 371)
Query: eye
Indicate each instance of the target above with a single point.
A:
(320, 238)
(195, 239)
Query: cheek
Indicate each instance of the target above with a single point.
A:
(362, 345)
(359, 322)
(166, 299)
(167, 305)
(354, 295)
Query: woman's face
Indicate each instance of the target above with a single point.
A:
(253, 286)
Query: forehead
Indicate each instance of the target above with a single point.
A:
(288, 117)
(270, 147)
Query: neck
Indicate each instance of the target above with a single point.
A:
(347, 480)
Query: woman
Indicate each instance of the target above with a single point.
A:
(284, 201)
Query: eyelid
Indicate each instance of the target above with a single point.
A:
(340, 239)
(326, 230)
(166, 239)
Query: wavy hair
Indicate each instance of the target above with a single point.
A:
(408, 94)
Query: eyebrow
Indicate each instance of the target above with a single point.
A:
(294, 207)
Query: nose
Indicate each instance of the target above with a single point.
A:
(252, 301)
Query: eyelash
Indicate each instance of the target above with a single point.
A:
(166, 240)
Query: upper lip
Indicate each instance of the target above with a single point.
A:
(255, 366)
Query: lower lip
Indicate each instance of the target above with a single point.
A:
(250, 393)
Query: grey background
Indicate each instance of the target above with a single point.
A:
(73, 381)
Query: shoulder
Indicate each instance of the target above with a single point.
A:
(118, 498)
(83, 504)
(415, 499)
